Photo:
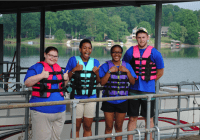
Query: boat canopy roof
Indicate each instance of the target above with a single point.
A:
(8, 7)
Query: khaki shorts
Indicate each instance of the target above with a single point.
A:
(85, 109)
(46, 126)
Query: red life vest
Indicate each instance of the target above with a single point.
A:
(43, 87)
(143, 66)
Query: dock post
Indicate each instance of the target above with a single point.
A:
(27, 116)
(74, 104)
(157, 45)
(178, 112)
(42, 33)
(97, 113)
(1, 54)
(18, 34)
(148, 116)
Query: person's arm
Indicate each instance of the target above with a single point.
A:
(36, 78)
(66, 77)
(96, 71)
(104, 79)
(77, 68)
(130, 77)
(159, 73)
(128, 55)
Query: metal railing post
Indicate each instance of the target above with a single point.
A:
(26, 117)
(148, 116)
(158, 132)
(138, 133)
(97, 113)
(178, 112)
(74, 104)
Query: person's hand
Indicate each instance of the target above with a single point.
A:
(113, 69)
(66, 77)
(96, 70)
(45, 74)
(123, 69)
(78, 67)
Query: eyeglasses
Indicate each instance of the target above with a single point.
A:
(52, 56)
(117, 52)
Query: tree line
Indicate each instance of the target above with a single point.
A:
(113, 22)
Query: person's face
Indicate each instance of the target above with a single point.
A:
(142, 40)
(51, 57)
(116, 54)
(85, 50)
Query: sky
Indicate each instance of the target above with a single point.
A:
(189, 5)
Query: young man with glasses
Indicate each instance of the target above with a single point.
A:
(148, 65)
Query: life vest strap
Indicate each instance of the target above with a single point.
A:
(56, 73)
(50, 90)
(79, 83)
(53, 81)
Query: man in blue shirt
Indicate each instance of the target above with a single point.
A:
(148, 65)
(84, 111)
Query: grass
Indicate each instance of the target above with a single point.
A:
(166, 40)
(94, 43)
(38, 40)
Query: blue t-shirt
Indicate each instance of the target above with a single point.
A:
(55, 96)
(104, 69)
(72, 64)
(141, 85)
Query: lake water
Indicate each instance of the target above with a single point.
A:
(179, 66)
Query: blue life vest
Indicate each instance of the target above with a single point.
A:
(83, 82)
(118, 82)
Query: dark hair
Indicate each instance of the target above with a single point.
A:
(114, 47)
(84, 41)
(50, 48)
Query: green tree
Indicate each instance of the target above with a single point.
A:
(183, 34)
(9, 24)
(133, 21)
(117, 29)
(60, 35)
(174, 31)
(177, 32)
(30, 25)
(65, 20)
(146, 25)
(139, 14)
(191, 24)
(169, 18)
(101, 21)
(51, 22)
(192, 37)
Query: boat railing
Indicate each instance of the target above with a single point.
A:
(74, 102)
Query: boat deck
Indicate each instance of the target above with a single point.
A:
(196, 137)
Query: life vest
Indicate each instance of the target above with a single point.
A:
(118, 82)
(142, 65)
(83, 82)
(43, 87)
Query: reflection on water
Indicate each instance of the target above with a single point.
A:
(184, 52)
(98, 52)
